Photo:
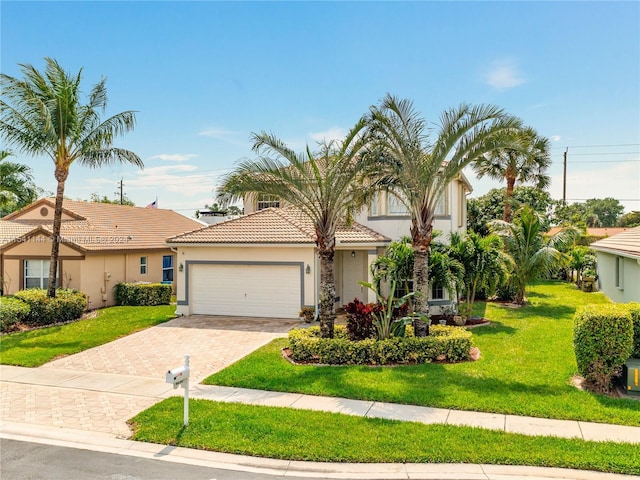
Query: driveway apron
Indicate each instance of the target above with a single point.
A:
(100, 388)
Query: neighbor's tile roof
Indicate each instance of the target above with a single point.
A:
(102, 226)
(625, 243)
(274, 226)
(599, 232)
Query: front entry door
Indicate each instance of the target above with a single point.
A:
(354, 270)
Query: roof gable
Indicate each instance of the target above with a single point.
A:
(99, 226)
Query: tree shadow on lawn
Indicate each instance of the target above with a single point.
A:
(493, 328)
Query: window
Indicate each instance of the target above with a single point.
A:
(437, 292)
(143, 265)
(374, 209)
(395, 205)
(267, 201)
(620, 273)
(36, 273)
(167, 268)
(442, 205)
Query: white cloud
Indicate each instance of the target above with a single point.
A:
(225, 135)
(334, 133)
(556, 138)
(174, 157)
(504, 74)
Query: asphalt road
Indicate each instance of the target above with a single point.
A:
(34, 461)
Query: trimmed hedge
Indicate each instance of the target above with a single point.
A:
(603, 341)
(12, 311)
(444, 343)
(66, 306)
(143, 294)
(634, 309)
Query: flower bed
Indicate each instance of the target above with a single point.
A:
(446, 344)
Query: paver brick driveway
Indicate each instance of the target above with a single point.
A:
(100, 388)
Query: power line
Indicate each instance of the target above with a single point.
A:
(601, 146)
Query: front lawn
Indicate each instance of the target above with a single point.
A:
(319, 436)
(526, 368)
(37, 347)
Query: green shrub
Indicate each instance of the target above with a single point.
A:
(143, 294)
(67, 305)
(603, 341)
(12, 311)
(634, 310)
(444, 343)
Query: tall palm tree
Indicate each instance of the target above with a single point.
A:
(525, 159)
(323, 185)
(533, 255)
(42, 114)
(16, 185)
(418, 170)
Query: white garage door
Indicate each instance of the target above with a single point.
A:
(245, 290)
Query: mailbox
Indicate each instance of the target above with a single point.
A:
(177, 376)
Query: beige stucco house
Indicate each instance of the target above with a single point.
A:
(102, 245)
(619, 265)
(264, 263)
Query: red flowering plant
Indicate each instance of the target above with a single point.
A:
(360, 319)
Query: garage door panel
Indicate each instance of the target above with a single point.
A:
(246, 290)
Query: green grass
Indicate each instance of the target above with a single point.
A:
(526, 368)
(37, 347)
(319, 436)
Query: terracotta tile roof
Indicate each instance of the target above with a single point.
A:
(626, 243)
(102, 226)
(593, 232)
(274, 226)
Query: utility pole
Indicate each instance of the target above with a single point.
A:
(564, 179)
(121, 188)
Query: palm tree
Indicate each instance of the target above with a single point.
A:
(323, 185)
(42, 114)
(484, 262)
(16, 185)
(524, 159)
(533, 255)
(419, 170)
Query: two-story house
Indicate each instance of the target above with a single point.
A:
(264, 263)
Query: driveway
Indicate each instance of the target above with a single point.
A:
(100, 388)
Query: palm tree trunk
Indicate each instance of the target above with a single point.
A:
(421, 289)
(327, 293)
(61, 176)
(511, 181)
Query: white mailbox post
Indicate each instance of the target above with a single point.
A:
(180, 377)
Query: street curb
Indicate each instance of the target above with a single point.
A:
(108, 443)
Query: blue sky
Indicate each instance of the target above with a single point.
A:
(204, 75)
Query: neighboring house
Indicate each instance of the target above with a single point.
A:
(264, 264)
(102, 245)
(619, 265)
(592, 234)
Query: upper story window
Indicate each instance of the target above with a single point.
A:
(395, 206)
(374, 206)
(267, 201)
(442, 205)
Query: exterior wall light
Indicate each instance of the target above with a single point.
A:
(353, 254)
(180, 267)
(308, 269)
